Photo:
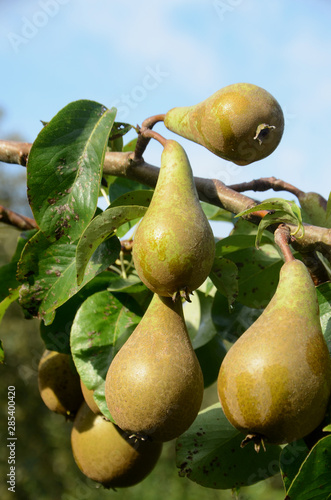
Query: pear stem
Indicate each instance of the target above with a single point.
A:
(282, 237)
(143, 140)
(154, 135)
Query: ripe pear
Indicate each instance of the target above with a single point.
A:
(174, 246)
(89, 399)
(274, 383)
(104, 453)
(242, 123)
(154, 385)
(59, 383)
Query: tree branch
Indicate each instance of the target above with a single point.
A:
(14, 219)
(212, 191)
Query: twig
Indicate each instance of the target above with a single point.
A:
(212, 191)
(14, 219)
(144, 139)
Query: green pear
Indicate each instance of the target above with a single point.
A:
(242, 123)
(59, 383)
(154, 385)
(107, 455)
(174, 246)
(274, 383)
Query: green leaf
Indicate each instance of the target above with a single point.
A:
(234, 322)
(141, 198)
(209, 454)
(119, 130)
(217, 214)
(324, 300)
(312, 481)
(56, 336)
(210, 357)
(99, 229)
(206, 329)
(130, 146)
(119, 186)
(65, 168)
(5, 303)
(258, 269)
(132, 284)
(50, 269)
(224, 275)
(281, 211)
(101, 326)
(291, 459)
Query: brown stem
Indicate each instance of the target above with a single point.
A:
(143, 140)
(212, 191)
(282, 237)
(154, 135)
(266, 183)
(14, 219)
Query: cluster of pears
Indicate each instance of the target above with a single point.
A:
(241, 123)
(154, 385)
(274, 383)
(101, 450)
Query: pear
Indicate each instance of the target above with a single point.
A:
(154, 385)
(274, 383)
(89, 399)
(59, 383)
(174, 246)
(105, 454)
(242, 123)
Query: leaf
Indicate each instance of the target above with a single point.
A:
(65, 168)
(217, 214)
(258, 269)
(141, 198)
(56, 336)
(99, 229)
(324, 300)
(119, 186)
(281, 211)
(132, 284)
(313, 479)
(101, 326)
(119, 130)
(234, 322)
(50, 269)
(224, 275)
(291, 459)
(206, 330)
(209, 454)
(5, 303)
(131, 145)
(210, 357)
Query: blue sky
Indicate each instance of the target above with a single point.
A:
(147, 57)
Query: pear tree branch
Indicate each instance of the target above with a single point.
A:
(212, 191)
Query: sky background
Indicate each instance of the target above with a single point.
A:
(147, 57)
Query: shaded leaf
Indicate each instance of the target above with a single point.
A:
(99, 230)
(209, 454)
(291, 460)
(48, 272)
(324, 300)
(224, 275)
(101, 326)
(119, 186)
(210, 357)
(66, 159)
(6, 302)
(140, 197)
(312, 481)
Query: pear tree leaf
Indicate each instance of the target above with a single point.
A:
(258, 269)
(119, 129)
(119, 186)
(131, 284)
(66, 159)
(206, 330)
(210, 357)
(209, 453)
(130, 146)
(324, 301)
(99, 230)
(232, 323)
(140, 197)
(312, 481)
(101, 326)
(56, 335)
(217, 214)
(48, 272)
(6, 302)
(280, 211)
(291, 459)
(224, 275)
(328, 211)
